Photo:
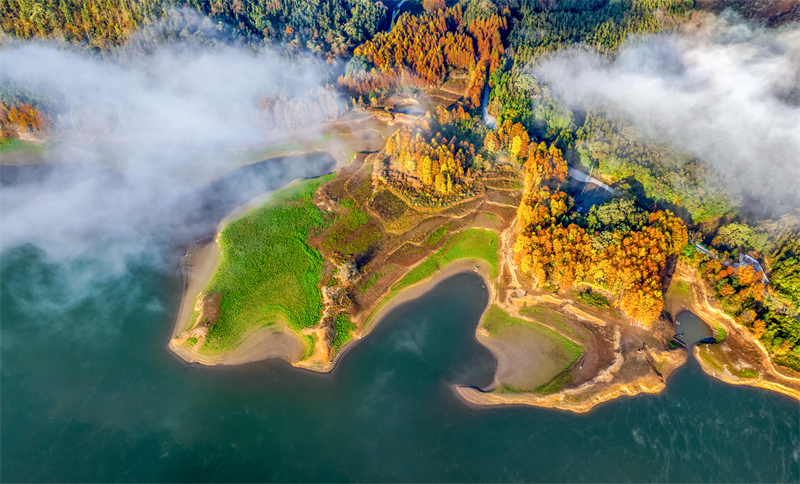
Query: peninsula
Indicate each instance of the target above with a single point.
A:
(582, 301)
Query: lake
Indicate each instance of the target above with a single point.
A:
(91, 393)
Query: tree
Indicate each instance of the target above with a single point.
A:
(427, 175)
(433, 5)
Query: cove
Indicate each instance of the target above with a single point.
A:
(91, 393)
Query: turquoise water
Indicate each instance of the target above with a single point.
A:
(90, 393)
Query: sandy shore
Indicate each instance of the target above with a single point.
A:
(408, 294)
(770, 377)
(478, 266)
(198, 268)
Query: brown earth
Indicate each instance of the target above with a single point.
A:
(740, 351)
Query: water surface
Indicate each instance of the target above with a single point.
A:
(90, 393)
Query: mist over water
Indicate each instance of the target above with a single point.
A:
(89, 292)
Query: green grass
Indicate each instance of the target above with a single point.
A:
(593, 299)
(470, 244)
(709, 358)
(681, 289)
(555, 385)
(344, 332)
(267, 270)
(437, 235)
(721, 334)
(496, 318)
(748, 374)
(191, 341)
(371, 281)
(311, 344)
(8, 145)
(339, 237)
(541, 312)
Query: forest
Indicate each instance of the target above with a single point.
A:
(617, 247)
(669, 199)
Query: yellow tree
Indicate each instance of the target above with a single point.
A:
(427, 175)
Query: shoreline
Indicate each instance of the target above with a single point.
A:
(407, 294)
(699, 304)
(198, 268)
(582, 398)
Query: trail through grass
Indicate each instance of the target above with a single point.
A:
(268, 271)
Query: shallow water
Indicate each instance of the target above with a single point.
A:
(90, 393)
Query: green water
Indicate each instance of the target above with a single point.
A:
(90, 393)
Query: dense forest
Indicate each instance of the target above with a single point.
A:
(616, 247)
(667, 200)
(324, 26)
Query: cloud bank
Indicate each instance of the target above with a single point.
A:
(723, 90)
(144, 134)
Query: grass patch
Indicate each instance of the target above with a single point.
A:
(721, 334)
(388, 205)
(470, 244)
(267, 270)
(344, 332)
(555, 385)
(544, 313)
(748, 374)
(681, 289)
(8, 145)
(371, 282)
(311, 344)
(342, 237)
(708, 357)
(363, 189)
(593, 299)
(437, 234)
(191, 341)
(496, 317)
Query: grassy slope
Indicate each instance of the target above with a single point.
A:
(267, 270)
(496, 317)
(470, 244)
(7, 145)
(344, 332)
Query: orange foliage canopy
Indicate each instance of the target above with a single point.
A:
(554, 249)
(25, 117)
(428, 162)
(419, 50)
(511, 138)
